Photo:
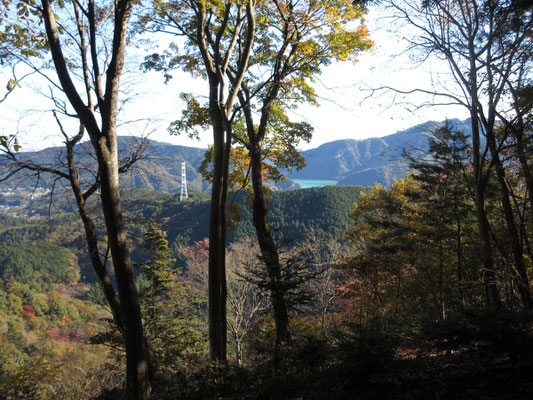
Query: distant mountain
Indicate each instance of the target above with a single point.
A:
(349, 162)
(159, 167)
(369, 161)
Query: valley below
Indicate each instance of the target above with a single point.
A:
(385, 299)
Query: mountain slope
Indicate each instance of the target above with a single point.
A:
(158, 168)
(349, 162)
(293, 215)
(369, 161)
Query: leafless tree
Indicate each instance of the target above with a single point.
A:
(327, 256)
(482, 43)
(87, 48)
(245, 302)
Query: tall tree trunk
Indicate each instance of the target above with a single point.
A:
(216, 62)
(92, 241)
(489, 277)
(269, 249)
(519, 270)
(138, 384)
(492, 296)
(104, 142)
(267, 244)
(217, 242)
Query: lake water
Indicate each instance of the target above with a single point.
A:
(308, 183)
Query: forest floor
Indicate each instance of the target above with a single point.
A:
(464, 374)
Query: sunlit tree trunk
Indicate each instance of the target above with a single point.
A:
(267, 244)
(217, 242)
(519, 271)
(104, 142)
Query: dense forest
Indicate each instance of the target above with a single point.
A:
(52, 303)
(389, 296)
(419, 290)
(58, 241)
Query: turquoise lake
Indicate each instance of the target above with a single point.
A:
(308, 183)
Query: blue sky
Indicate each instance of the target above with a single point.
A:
(345, 112)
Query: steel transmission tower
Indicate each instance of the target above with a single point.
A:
(183, 193)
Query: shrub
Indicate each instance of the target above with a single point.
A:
(29, 381)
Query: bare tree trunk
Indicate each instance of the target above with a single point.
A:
(104, 142)
(519, 271)
(492, 296)
(267, 244)
(216, 62)
(92, 240)
(138, 385)
(217, 247)
(269, 249)
(481, 176)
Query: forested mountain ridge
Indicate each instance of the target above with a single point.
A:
(369, 161)
(157, 168)
(349, 162)
(294, 215)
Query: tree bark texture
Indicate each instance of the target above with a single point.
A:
(136, 352)
(104, 142)
(267, 244)
(519, 271)
(216, 59)
(92, 240)
(217, 247)
(492, 296)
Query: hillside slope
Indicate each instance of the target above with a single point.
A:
(349, 162)
(369, 161)
(293, 214)
(159, 167)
